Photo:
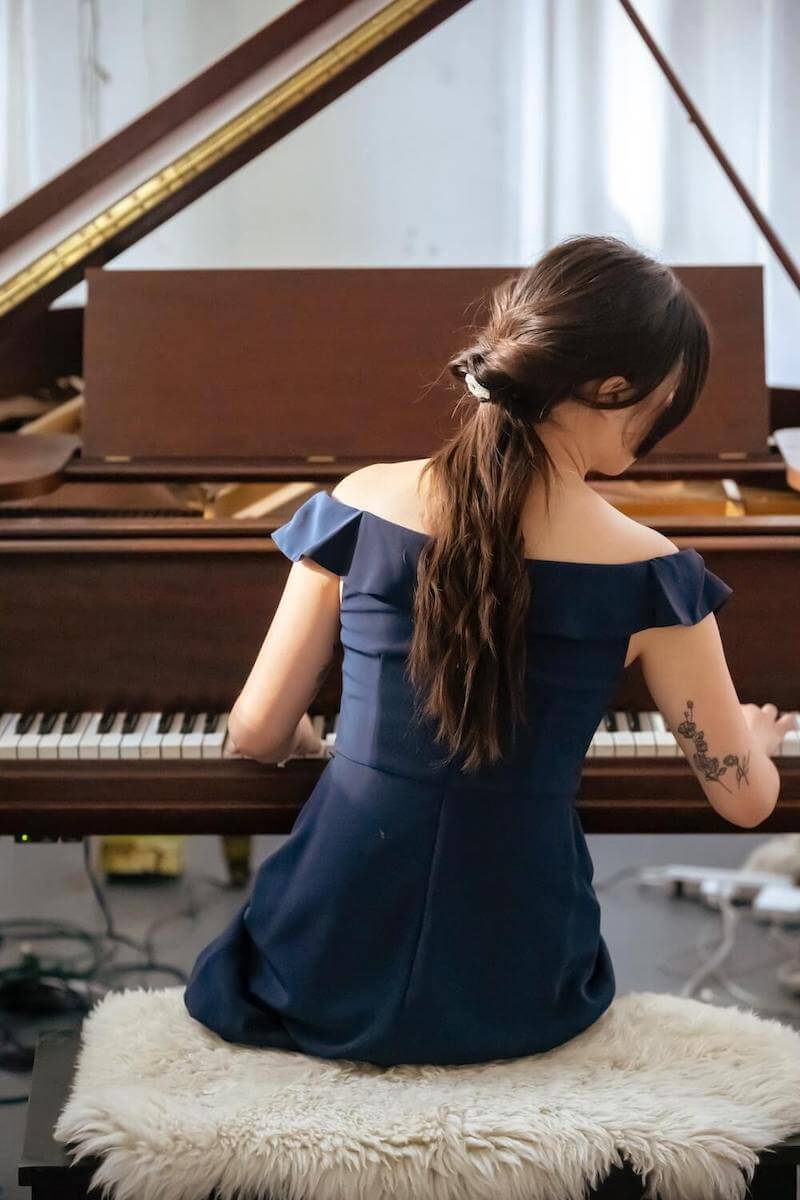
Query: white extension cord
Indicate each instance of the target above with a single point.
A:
(739, 885)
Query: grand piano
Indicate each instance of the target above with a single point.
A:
(151, 443)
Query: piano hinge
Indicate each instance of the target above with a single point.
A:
(321, 458)
(117, 458)
(732, 454)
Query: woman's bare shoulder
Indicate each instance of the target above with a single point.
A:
(388, 489)
(584, 527)
(359, 484)
(629, 539)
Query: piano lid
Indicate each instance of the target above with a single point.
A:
(218, 121)
(232, 111)
(195, 138)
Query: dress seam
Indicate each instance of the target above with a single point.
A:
(383, 770)
(425, 901)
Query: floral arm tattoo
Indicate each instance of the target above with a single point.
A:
(711, 767)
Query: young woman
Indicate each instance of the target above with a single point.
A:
(434, 901)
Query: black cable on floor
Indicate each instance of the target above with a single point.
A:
(36, 984)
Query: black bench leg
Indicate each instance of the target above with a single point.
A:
(44, 1166)
(777, 1182)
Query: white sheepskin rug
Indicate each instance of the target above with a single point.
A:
(686, 1091)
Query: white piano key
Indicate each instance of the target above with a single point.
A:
(150, 746)
(171, 740)
(130, 745)
(624, 743)
(69, 743)
(89, 745)
(646, 736)
(602, 742)
(48, 742)
(9, 737)
(666, 742)
(318, 724)
(28, 744)
(6, 719)
(214, 743)
(110, 742)
(644, 745)
(790, 746)
(192, 743)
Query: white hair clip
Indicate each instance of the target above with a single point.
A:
(476, 388)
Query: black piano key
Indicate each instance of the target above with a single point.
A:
(165, 723)
(633, 720)
(328, 726)
(71, 722)
(211, 723)
(187, 724)
(131, 722)
(106, 721)
(610, 722)
(47, 722)
(24, 722)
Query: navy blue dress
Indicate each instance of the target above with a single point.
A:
(416, 914)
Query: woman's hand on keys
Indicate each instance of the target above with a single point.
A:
(767, 728)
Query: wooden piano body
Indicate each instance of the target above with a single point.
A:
(125, 582)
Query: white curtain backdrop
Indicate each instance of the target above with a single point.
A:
(608, 147)
(514, 124)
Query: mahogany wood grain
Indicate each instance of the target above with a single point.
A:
(240, 796)
(43, 526)
(175, 622)
(30, 466)
(290, 365)
(756, 469)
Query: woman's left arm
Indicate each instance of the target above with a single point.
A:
(268, 722)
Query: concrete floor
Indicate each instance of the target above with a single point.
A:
(651, 938)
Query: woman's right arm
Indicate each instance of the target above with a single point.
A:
(728, 745)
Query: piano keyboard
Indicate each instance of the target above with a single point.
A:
(175, 735)
(125, 735)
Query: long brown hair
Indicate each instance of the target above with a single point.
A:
(591, 307)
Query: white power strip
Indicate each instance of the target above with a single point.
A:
(779, 904)
(684, 880)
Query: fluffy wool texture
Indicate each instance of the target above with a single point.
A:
(687, 1092)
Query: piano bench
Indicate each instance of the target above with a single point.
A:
(46, 1169)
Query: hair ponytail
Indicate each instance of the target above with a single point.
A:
(591, 308)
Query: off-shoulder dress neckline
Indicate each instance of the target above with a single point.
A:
(546, 562)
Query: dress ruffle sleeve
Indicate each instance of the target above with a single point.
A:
(683, 590)
(615, 600)
(323, 530)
